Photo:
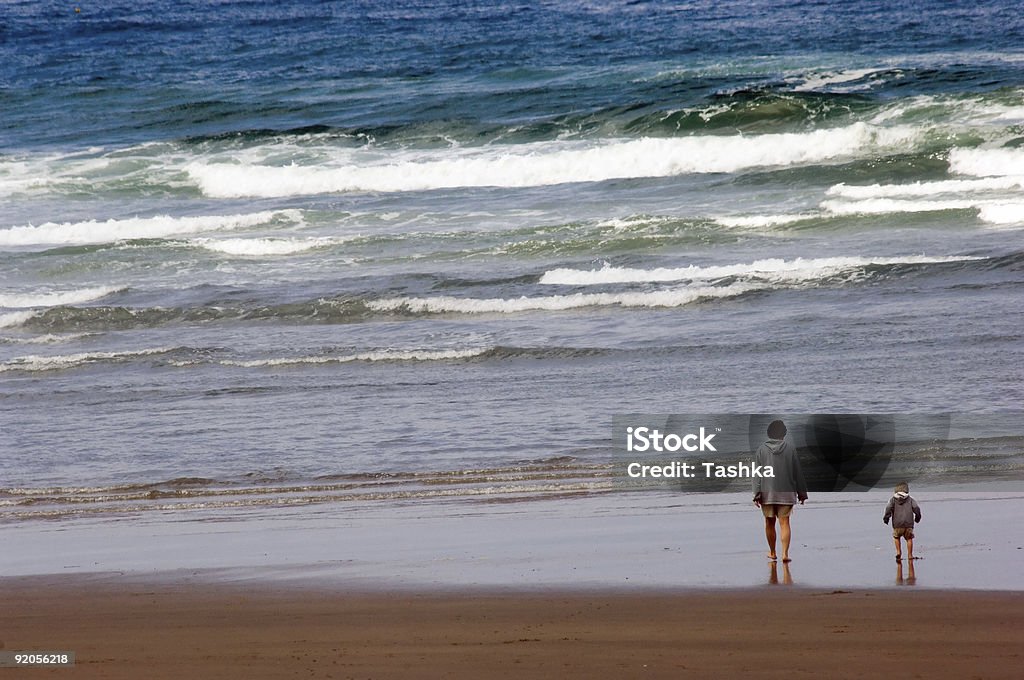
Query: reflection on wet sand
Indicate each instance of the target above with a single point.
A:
(911, 579)
(773, 575)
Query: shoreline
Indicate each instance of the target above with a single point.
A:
(127, 630)
(602, 543)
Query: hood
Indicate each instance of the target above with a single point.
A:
(901, 497)
(775, 445)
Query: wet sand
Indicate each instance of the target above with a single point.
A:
(128, 629)
(603, 543)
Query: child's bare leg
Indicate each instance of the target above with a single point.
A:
(910, 548)
(769, 534)
(899, 548)
(784, 531)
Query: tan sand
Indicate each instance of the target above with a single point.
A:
(128, 630)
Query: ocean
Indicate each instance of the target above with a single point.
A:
(265, 255)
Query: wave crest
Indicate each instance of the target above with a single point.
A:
(541, 164)
(56, 298)
(663, 298)
(774, 270)
(160, 226)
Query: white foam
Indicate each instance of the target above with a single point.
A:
(380, 355)
(13, 186)
(984, 111)
(992, 211)
(1002, 213)
(540, 164)
(773, 270)
(664, 298)
(12, 319)
(56, 298)
(950, 186)
(161, 226)
(1010, 114)
(709, 112)
(762, 221)
(632, 222)
(879, 206)
(827, 80)
(259, 247)
(58, 362)
(987, 162)
(19, 174)
(896, 111)
(47, 339)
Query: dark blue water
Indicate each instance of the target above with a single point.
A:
(243, 242)
(120, 73)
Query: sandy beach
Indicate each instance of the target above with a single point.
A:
(437, 339)
(616, 586)
(175, 630)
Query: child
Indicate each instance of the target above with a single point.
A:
(905, 513)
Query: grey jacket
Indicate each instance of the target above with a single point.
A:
(903, 510)
(788, 486)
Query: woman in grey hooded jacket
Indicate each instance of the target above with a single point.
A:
(776, 495)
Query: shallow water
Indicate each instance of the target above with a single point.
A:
(300, 252)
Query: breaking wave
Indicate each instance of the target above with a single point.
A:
(663, 298)
(774, 270)
(161, 226)
(540, 164)
(55, 298)
(65, 361)
(1000, 162)
(262, 247)
(380, 355)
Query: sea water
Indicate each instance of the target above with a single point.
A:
(300, 253)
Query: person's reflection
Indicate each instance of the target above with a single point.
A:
(773, 575)
(911, 579)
